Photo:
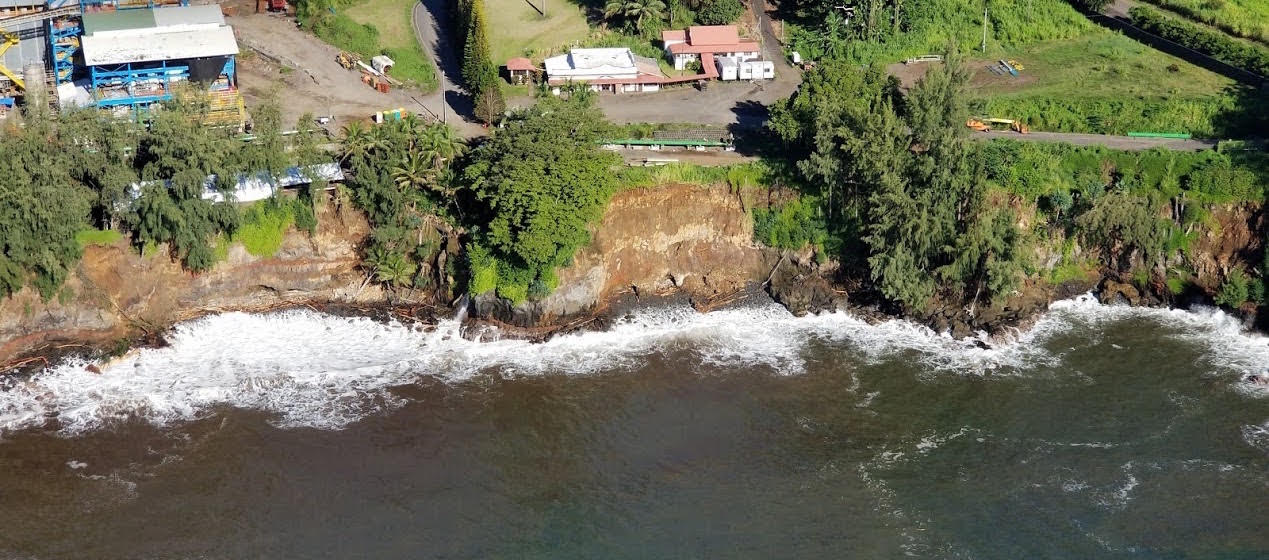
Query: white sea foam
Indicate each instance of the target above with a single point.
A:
(317, 370)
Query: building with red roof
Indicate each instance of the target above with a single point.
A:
(719, 41)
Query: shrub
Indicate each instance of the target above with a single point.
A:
(263, 226)
(483, 270)
(1236, 289)
(791, 226)
(719, 12)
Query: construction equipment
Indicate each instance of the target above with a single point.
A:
(978, 125)
(984, 125)
(7, 41)
(347, 59)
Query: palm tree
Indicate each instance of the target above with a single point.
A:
(415, 172)
(356, 141)
(636, 11)
(440, 140)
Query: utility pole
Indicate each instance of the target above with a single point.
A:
(984, 27)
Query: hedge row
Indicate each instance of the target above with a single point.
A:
(1212, 43)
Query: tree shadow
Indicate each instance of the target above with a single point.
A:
(459, 102)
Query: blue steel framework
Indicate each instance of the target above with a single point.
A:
(64, 32)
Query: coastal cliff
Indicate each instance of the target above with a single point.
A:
(690, 240)
(117, 294)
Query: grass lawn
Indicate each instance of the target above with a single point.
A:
(88, 237)
(1099, 65)
(1245, 18)
(517, 29)
(393, 35)
(1103, 82)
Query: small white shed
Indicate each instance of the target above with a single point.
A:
(728, 68)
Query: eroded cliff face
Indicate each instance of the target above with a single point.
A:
(674, 238)
(684, 239)
(115, 292)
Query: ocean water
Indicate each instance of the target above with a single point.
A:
(1100, 432)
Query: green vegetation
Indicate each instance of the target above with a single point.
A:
(1236, 288)
(884, 31)
(480, 72)
(645, 17)
(919, 218)
(370, 28)
(925, 217)
(1241, 18)
(539, 181)
(1107, 83)
(522, 30)
(89, 237)
(71, 185)
(265, 223)
(1035, 171)
(401, 174)
(791, 226)
(1251, 58)
(738, 176)
(1077, 76)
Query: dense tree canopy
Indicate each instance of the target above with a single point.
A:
(540, 180)
(899, 183)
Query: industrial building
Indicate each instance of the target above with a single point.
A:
(122, 55)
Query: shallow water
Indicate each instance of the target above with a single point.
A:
(1099, 433)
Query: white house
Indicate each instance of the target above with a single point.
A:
(720, 41)
(604, 69)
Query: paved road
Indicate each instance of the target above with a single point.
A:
(430, 19)
(1116, 142)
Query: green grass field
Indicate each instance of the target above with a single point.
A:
(1102, 82)
(1243, 18)
(517, 29)
(392, 34)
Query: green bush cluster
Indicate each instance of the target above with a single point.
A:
(1035, 170)
(1212, 43)
(791, 226)
(264, 224)
(1241, 18)
(925, 26)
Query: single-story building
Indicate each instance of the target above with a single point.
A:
(721, 41)
(604, 69)
(520, 70)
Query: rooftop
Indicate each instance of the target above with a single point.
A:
(173, 33)
(712, 35)
(520, 63)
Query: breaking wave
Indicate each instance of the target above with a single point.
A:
(317, 370)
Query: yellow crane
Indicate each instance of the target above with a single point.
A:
(7, 41)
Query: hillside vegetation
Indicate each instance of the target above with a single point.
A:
(929, 219)
(1241, 18)
(1077, 76)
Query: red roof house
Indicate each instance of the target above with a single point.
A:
(687, 45)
